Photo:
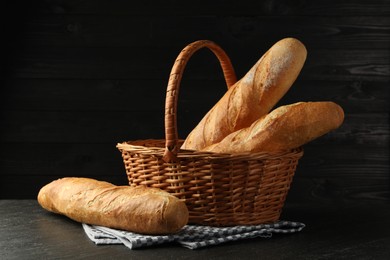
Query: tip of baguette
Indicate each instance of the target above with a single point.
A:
(176, 213)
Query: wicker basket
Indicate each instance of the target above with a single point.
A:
(218, 189)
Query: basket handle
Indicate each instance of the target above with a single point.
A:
(171, 134)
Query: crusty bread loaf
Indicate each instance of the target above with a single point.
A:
(285, 128)
(251, 97)
(137, 209)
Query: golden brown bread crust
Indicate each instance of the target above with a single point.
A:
(251, 97)
(285, 128)
(137, 209)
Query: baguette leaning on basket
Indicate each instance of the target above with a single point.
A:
(286, 127)
(251, 97)
(136, 209)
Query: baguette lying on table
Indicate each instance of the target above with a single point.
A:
(287, 127)
(137, 209)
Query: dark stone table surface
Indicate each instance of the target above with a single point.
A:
(331, 232)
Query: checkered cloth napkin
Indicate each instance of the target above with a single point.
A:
(191, 236)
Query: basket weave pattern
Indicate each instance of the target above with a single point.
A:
(218, 189)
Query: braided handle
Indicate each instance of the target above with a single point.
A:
(171, 135)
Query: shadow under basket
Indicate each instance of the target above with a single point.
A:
(218, 189)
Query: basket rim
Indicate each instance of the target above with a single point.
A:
(129, 146)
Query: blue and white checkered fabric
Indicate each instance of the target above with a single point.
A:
(191, 236)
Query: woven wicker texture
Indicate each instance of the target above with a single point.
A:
(218, 189)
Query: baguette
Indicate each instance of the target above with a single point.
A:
(251, 97)
(286, 127)
(137, 209)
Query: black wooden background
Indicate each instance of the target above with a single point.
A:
(81, 76)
